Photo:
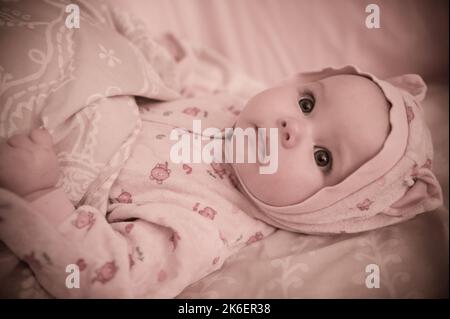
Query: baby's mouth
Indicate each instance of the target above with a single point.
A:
(256, 144)
(261, 141)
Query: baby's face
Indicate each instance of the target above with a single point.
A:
(326, 129)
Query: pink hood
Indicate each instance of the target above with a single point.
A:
(394, 186)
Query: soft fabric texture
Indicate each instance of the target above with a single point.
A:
(167, 225)
(394, 186)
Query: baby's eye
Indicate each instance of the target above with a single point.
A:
(322, 158)
(306, 103)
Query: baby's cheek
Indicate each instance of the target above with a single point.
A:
(295, 180)
(257, 110)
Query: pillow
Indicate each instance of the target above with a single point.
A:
(48, 70)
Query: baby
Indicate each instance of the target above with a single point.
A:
(327, 129)
(353, 154)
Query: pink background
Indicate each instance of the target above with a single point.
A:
(272, 39)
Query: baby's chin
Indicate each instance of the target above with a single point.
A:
(278, 189)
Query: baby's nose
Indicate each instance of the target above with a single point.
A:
(289, 132)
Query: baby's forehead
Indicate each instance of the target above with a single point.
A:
(351, 91)
(346, 80)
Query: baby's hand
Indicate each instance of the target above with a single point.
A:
(28, 163)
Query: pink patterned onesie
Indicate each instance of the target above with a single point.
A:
(167, 225)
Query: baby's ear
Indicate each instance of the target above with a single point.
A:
(411, 83)
(425, 192)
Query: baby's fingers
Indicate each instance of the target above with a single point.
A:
(42, 137)
(21, 140)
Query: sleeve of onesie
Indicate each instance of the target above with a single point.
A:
(146, 251)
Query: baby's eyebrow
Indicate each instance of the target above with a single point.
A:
(337, 157)
(321, 88)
